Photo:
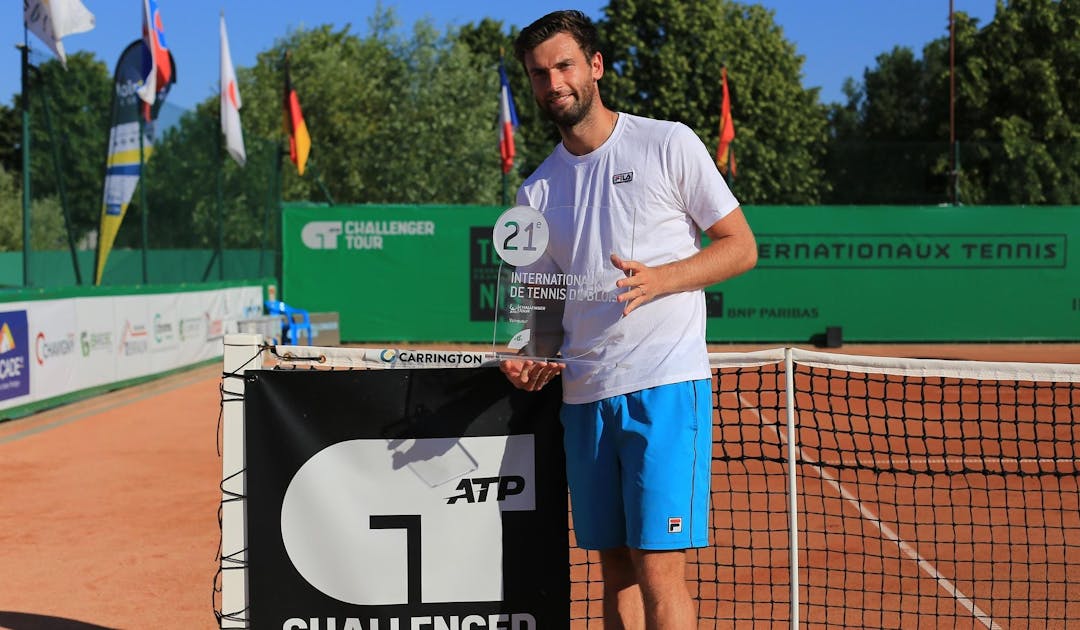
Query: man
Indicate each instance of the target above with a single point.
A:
(626, 199)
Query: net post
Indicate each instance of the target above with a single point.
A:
(793, 496)
(242, 352)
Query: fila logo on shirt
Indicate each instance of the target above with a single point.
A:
(622, 178)
(674, 525)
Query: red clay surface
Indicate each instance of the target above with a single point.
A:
(108, 514)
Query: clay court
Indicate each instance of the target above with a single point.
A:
(108, 518)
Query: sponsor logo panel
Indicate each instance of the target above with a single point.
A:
(46, 347)
(14, 355)
(361, 235)
(134, 339)
(912, 251)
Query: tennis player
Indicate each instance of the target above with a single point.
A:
(626, 199)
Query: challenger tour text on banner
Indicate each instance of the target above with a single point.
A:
(360, 234)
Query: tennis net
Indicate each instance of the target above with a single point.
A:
(928, 494)
(868, 492)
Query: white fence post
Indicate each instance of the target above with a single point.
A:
(793, 488)
(242, 352)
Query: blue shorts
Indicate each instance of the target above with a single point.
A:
(639, 467)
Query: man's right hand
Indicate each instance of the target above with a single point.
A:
(530, 374)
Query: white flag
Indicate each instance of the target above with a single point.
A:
(51, 20)
(230, 103)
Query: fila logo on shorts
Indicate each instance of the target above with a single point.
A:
(674, 525)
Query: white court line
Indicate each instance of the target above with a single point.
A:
(887, 531)
(906, 462)
(103, 403)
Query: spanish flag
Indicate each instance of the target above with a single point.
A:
(725, 155)
(299, 140)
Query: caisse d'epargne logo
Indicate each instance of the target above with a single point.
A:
(14, 355)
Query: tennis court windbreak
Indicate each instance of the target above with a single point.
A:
(418, 274)
(860, 492)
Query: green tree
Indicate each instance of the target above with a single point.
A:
(1023, 94)
(79, 102)
(886, 144)
(10, 138)
(1017, 91)
(191, 152)
(664, 59)
(392, 119)
(390, 122)
(534, 137)
(46, 220)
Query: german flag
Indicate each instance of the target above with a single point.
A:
(299, 140)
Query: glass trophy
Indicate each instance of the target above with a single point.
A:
(530, 296)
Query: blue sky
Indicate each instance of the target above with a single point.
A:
(838, 38)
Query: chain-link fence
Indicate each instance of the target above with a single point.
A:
(195, 216)
(968, 173)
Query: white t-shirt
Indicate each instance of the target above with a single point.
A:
(645, 194)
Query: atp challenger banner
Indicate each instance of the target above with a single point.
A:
(883, 274)
(402, 499)
(127, 151)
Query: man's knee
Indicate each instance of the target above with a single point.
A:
(659, 568)
(618, 567)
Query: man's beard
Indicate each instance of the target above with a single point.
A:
(571, 116)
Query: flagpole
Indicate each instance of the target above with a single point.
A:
(25, 98)
(729, 176)
(318, 180)
(43, 94)
(142, 197)
(264, 242)
(220, 212)
(279, 184)
(220, 176)
(279, 229)
(954, 147)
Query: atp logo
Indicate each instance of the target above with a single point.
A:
(321, 234)
(477, 489)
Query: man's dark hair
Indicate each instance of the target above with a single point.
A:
(573, 23)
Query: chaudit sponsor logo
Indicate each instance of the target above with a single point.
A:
(45, 348)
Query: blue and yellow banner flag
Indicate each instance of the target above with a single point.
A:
(127, 152)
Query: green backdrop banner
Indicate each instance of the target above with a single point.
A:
(427, 273)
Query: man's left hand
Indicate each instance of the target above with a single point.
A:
(643, 283)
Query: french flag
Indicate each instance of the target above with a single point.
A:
(508, 121)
